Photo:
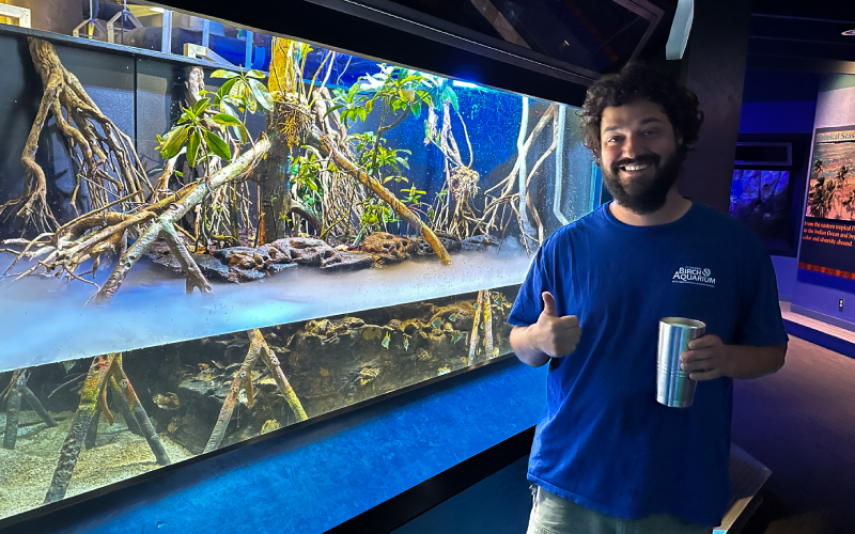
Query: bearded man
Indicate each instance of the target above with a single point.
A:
(607, 458)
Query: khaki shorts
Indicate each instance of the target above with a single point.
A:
(551, 514)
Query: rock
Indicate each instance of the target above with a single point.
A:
(210, 266)
(167, 401)
(304, 250)
(423, 248)
(388, 248)
(347, 261)
(479, 242)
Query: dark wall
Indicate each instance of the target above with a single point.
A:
(59, 16)
(778, 101)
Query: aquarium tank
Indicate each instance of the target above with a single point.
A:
(209, 235)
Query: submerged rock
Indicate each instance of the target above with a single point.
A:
(247, 264)
(479, 242)
(389, 248)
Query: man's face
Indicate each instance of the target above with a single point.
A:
(639, 155)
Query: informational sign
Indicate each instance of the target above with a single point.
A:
(828, 235)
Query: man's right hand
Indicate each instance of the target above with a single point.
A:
(553, 335)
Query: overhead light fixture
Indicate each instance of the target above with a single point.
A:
(156, 9)
(849, 33)
(680, 28)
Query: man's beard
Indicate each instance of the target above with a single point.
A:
(643, 197)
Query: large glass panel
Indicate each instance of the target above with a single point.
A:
(195, 253)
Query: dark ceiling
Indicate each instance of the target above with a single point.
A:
(803, 35)
(600, 36)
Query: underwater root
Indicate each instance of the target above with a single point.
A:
(105, 156)
(258, 348)
(482, 309)
(86, 410)
(17, 391)
(102, 370)
(13, 410)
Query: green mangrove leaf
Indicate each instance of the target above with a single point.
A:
(255, 73)
(218, 146)
(261, 94)
(221, 73)
(225, 89)
(201, 106)
(330, 110)
(361, 113)
(175, 140)
(226, 119)
(452, 97)
(241, 133)
(193, 147)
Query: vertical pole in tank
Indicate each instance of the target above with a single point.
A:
(559, 165)
(98, 372)
(272, 364)
(13, 409)
(522, 152)
(125, 392)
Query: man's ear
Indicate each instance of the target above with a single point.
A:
(678, 137)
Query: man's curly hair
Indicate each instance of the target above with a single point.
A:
(637, 81)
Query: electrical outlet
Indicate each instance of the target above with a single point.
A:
(840, 304)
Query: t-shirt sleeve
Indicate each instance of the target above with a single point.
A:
(761, 324)
(529, 301)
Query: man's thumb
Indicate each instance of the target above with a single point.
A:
(549, 307)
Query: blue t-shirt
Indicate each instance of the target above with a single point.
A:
(605, 442)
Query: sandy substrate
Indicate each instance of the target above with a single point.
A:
(26, 472)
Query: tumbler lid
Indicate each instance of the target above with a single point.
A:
(682, 322)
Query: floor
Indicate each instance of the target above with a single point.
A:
(800, 422)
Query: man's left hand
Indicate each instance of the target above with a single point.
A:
(707, 358)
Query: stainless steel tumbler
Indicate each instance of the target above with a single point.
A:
(674, 388)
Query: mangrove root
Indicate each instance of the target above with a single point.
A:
(92, 403)
(243, 379)
(98, 372)
(92, 433)
(36, 405)
(122, 385)
(163, 226)
(482, 310)
(13, 410)
(476, 323)
(107, 162)
(272, 363)
(347, 166)
(124, 408)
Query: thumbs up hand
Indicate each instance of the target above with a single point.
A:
(553, 335)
